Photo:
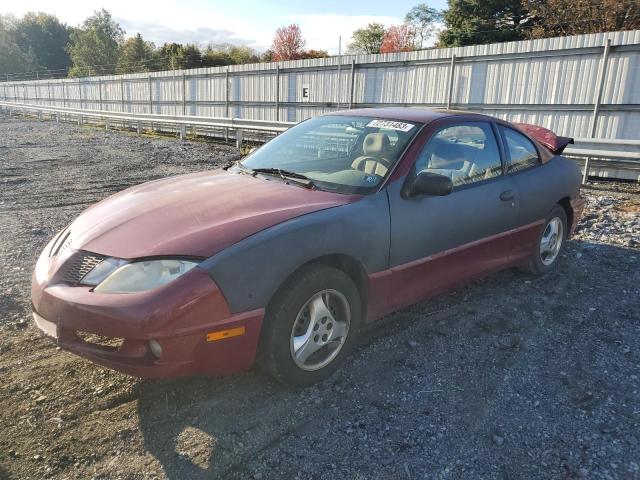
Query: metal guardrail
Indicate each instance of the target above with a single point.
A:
(614, 158)
(180, 122)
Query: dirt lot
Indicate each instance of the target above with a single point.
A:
(510, 377)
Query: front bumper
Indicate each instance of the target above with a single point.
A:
(181, 316)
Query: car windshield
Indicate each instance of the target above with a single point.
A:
(337, 153)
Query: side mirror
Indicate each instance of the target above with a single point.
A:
(426, 183)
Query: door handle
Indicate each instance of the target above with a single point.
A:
(506, 196)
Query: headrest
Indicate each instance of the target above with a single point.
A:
(446, 150)
(375, 144)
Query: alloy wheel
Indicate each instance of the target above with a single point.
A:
(551, 241)
(320, 330)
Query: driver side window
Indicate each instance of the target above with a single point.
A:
(466, 153)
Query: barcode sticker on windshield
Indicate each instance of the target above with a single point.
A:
(391, 124)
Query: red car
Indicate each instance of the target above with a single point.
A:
(283, 256)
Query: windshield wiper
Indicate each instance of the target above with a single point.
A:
(284, 174)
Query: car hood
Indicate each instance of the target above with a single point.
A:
(192, 215)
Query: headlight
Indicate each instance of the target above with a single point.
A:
(102, 271)
(141, 276)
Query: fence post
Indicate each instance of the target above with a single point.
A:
(183, 131)
(121, 94)
(602, 73)
(277, 93)
(184, 94)
(226, 93)
(226, 102)
(100, 92)
(150, 83)
(452, 71)
(352, 83)
(238, 139)
(339, 78)
(49, 100)
(80, 92)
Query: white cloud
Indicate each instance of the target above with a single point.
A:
(201, 36)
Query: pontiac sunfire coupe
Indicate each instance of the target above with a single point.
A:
(281, 258)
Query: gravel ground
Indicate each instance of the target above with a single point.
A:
(509, 377)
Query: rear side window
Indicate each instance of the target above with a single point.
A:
(521, 151)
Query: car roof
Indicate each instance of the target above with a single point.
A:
(407, 114)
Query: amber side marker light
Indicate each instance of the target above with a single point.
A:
(222, 334)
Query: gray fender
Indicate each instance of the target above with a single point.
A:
(251, 271)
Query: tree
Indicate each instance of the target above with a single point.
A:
(192, 56)
(228, 54)
(135, 55)
(563, 17)
(470, 22)
(171, 56)
(398, 38)
(174, 56)
(312, 53)
(288, 43)
(424, 20)
(214, 56)
(46, 38)
(94, 46)
(241, 54)
(267, 56)
(367, 39)
(12, 58)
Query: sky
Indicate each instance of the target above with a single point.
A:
(243, 22)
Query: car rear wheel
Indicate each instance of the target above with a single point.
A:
(310, 326)
(550, 243)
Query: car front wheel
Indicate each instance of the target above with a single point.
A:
(310, 326)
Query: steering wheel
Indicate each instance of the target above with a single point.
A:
(361, 162)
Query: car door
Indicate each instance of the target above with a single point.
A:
(536, 184)
(439, 241)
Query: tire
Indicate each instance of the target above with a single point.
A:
(543, 259)
(296, 357)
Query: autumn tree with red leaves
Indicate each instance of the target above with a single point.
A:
(288, 43)
(399, 38)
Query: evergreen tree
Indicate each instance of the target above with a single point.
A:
(136, 55)
(471, 22)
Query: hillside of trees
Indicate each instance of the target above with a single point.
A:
(38, 45)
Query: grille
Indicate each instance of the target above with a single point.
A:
(101, 340)
(61, 243)
(82, 264)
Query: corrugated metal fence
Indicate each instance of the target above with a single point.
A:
(582, 86)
